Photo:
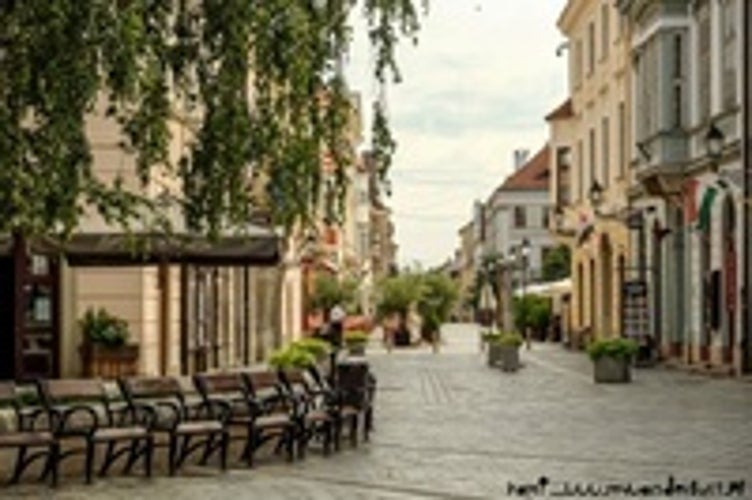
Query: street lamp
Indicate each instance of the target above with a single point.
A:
(524, 250)
(596, 193)
(714, 140)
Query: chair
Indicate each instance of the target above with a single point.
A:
(80, 409)
(341, 411)
(26, 436)
(274, 413)
(313, 415)
(187, 428)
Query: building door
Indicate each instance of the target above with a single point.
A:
(29, 315)
(592, 294)
(656, 275)
(607, 293)
(730, 282)
(200, 342)
(707, 294)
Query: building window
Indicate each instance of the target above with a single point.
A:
(591, 48)
(605, 137)
(605, 29)
(546, 219)
(622, 140)
(728, 53)
(577, 62)
(678, 74)
(704, 59)
(591, 159)
(563, 162)
(520, 217)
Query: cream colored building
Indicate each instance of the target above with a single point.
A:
(590, 140)
(184, 317)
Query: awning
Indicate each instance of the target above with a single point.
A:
(260, 246)
(550, 289)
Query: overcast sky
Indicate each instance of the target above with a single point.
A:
(477, 86)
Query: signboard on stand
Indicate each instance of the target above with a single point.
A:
(635, 310)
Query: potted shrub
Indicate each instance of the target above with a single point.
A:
(504, 350)
(612, 359)
(291, 357)
(318, 348)
(105, 350)
(489, 339)
(356, 341)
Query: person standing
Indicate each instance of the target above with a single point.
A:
(336, 324)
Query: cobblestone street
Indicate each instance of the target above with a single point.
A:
(447, 426)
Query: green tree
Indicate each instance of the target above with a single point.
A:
(257, 80)
(557, 264)
(395, 295)
(531, 311)
(438, 293)
(328, 291)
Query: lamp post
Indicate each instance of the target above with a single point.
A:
(714, 140)
(524, 251)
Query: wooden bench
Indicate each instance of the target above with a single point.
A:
(27, 436)
(80, 410)
(186, 428)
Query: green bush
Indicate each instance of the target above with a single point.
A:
(292, 357)
(317, 347)
(101, 327)
(356, 337)
(503, 338)
(615, 348)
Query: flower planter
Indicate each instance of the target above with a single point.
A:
(612, 370)
(109, 362)
(510, 358)
(494, 353)
(356, 349)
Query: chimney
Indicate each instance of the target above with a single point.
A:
(520, 157)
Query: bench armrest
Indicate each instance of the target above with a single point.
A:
(61, 416)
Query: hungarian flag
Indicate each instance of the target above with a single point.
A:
(705, 208)
(690, 200)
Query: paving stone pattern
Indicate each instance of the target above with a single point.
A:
(447, 426)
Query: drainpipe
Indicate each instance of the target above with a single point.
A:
(747, 166)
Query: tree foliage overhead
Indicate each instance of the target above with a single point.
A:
(259, 81)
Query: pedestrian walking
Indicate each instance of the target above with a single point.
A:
(336, 324)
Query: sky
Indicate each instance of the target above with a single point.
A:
(475, 88)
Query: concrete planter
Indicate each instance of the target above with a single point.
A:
(356, 349)
(510, 358)
(507, 357)
(612, 370)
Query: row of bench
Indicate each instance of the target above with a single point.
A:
(255, 406)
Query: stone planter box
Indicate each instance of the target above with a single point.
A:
(611, 370)
(506, 357)
(356, 349)
(510, 358)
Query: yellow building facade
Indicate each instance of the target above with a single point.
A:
(589, 136)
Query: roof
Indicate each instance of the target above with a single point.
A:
(562, 112)
(532, 176)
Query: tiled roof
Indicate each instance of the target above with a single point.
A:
(532, 176)
(563, 111)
